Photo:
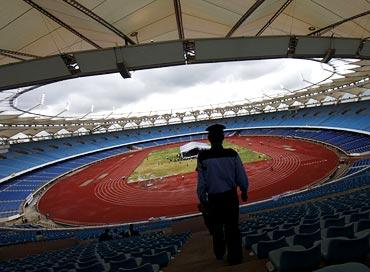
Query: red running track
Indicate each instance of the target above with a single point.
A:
(98, 195)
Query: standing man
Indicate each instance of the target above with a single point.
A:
(220, 172)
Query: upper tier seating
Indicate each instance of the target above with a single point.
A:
(67, 154)
(15, 191)
(349, 115)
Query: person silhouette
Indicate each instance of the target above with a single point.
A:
(105, 236)
(220, 172)
(132, 232)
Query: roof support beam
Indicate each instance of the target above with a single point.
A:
(11, 56)
(325, 29)
(99, 19)
(151, 55)
(16, 53)
(244, 17)
(61, 23)
(180, 26)
(273, 18)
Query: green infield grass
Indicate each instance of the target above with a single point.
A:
(162, 163)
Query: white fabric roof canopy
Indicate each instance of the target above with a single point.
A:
(43, 27)
(33, 29)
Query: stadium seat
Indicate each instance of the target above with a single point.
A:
(358, 216)
(127, 263)
(116, 257)
(277, 234)
(96, 267)
(262, 248)
(345, 231)
(144, 268)
(330, 216)
(44, 269)
(309, 228)
(172, 249)
(334, 222)
(352, 267)
(289, 225)
(141, 253)
(363, 224)
(68, 266)
(296, 258)
(304, 239)
(251, 239)
(162, 259)
(343, 249)
(268, 229)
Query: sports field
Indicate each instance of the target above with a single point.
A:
(99, 195)
(165, 162)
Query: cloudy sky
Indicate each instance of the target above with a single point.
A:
(174, 87)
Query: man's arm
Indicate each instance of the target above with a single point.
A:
(201, 186)
(241, 178)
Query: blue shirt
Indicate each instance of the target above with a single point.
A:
(219, 170)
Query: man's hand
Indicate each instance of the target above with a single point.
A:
(244, 196)
(203, 207)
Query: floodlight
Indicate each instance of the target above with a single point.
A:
(120, 62)
(42, 101)
(122, 69)
(328, 55)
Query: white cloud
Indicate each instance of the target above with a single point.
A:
(175, 87)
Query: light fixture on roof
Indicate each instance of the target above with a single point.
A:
(312, 28)
(135, 35)
(328, 55)
(68, 106)
(42, 100)
(121, 65)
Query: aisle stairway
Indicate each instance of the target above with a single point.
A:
(197, 256)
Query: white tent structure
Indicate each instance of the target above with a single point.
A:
(192, 149)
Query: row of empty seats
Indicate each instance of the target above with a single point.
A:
(350, 115)
(298, 238)
(348, 141)
(143, 253)
(345, 184)
(15, 191)
(20, 234)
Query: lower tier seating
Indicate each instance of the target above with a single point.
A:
(141, 253)
(298, 238)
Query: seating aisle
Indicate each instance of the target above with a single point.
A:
(197, 256)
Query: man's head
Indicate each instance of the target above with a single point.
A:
(216, 134)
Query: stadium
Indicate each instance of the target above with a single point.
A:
(67, 179)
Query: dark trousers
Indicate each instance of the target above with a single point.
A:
(224, 225)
